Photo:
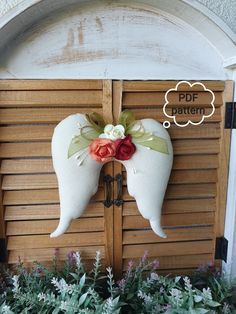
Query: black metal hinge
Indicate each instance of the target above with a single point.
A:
(230, 115)
(221, 249)
(3, 251)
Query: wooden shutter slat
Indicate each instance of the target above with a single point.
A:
(44, 132)
(183, 261)
(47, 254)
(180, 234)
(66, 240)
(171, 220)
(34, 212)
(51, 98)
(181, 147)
(168, 249)
(176, 206)
(157, 99)
(49, 196)
(159, 115)
(26, 85)
(133, 86)
(11, 166)
(36, 226)
(43, 181)
(40, 115)
(19, 166)
(182, 191)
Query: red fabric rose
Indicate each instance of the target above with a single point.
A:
(124, 148)
(102, 150)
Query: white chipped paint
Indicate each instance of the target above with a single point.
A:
(112, 41)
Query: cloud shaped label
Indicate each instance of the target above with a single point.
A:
(188, 104)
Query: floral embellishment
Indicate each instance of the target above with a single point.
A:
(103, 142)
(113, 132)
(124, 148)
(102, 150)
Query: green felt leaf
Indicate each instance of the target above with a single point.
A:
(126, 119)
(97, 122)
(78, 143)
(154, 142)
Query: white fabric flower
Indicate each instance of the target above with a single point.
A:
(113, 132)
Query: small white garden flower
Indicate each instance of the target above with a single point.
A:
(41, 296)
(6, 310)
(62, 286)
(113, 132)
(16, 286)
(63, 305)
(154, 276)
(187, 283)
(77, 259)
(206, 294)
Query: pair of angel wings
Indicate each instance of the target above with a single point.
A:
(148, 173)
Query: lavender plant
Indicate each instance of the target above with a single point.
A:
(71, 290)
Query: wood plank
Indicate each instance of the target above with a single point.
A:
(40, 115)
(33, 197)
(133, 100)
(47, 211)
(180, 234)
(43, 149)
(44, 132)
(158, 114)
(51, 98)
(196, 162)
(16, 150)
(65, 240)
(223, 169)
(14, 85)
(187, 176)
(171, 220)
(176, 206)
(184, 191)
(18, 166)
(168, 249)
(183, 261)
(47, 254)
(192, 146)
(26, 133)
(48, 226)
(204, 131)
(29, 182)
(193, 176)
(135, 86)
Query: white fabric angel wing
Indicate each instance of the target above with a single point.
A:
(148, 173)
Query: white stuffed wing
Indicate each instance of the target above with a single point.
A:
(76, 183)
(148, 173)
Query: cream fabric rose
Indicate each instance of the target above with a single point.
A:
(113, 132)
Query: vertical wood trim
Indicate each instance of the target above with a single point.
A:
(223, 164)
(2, 223)
(107, 101)
(108, 169)
(108, 223)
(118, 263)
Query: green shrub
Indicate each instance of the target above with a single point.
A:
(140, 291)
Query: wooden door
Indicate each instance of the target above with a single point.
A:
(194, 207)
(30, 208)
